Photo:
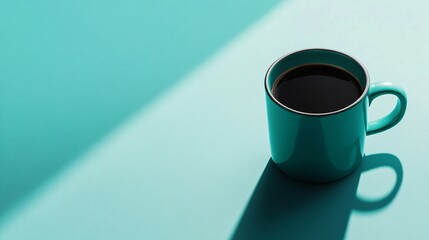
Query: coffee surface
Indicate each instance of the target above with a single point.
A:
(317, 88)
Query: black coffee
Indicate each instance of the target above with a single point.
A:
(317, 88)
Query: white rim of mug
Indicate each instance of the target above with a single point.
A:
(362, 96)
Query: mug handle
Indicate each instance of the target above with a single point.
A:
(375, 161)
(393, 118)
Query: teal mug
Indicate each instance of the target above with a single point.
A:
(323, 147)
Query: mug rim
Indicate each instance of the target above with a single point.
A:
(362, 96)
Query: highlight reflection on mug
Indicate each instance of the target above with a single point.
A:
(283, 208)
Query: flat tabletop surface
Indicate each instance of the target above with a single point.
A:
(146, 120)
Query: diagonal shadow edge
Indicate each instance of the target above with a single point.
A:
(49, 124)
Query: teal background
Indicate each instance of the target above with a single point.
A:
(128, 120)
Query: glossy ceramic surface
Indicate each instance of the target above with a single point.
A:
(327, 146)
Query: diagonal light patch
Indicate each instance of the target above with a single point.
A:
(185, 161)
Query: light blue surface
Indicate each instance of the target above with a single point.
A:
(71, 71)
(97, 160)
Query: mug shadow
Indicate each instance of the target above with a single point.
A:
(283, 208)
